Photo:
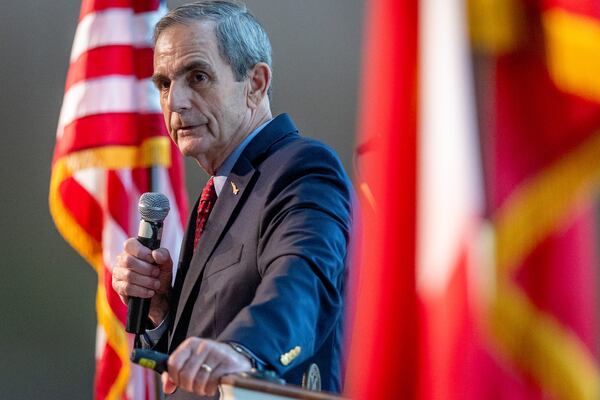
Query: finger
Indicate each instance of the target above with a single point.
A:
(211, 384)
(126, 289)
(131, 262)
(185, 365)
(207, 377)
(224, 360)
(135, 248)
(168, 385)
(134, 278)
(193, 376)
(179, 357)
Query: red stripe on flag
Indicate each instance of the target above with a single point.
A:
(147, 378)
(107, 370)
(117, 306)
(125, 129)
(118, 201)
(83, 207)
(111, 60)
(91, 6)
(141, 179)
(447, 338)
(383, 356)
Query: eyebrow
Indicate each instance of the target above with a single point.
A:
(157, 76)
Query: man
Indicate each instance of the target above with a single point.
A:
(263, 284)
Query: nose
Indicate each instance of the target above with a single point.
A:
(178, 99)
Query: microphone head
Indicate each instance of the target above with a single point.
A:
(153, 206)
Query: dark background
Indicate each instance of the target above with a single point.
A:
(47, 292)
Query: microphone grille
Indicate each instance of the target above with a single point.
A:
(153, 206)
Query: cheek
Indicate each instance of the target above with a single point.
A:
(167, 118)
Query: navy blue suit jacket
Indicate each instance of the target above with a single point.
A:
(270, 270)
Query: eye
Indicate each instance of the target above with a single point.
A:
(198, 77)
(162, 84)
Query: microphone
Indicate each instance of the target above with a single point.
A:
(150, 359)
(153, 208)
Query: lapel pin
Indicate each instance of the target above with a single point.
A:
(234, 188)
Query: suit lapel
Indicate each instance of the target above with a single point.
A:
(219, 219)
(223, 211)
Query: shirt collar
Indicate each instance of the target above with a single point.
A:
(221, 175)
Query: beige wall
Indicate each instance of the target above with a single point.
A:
(47, 316)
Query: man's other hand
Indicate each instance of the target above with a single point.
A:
(141, 272)
(197, 365)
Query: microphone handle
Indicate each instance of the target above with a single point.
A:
(150, 359)
(137, 308)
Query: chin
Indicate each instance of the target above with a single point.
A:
(191, 149)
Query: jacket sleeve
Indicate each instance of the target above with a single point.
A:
(303, 240)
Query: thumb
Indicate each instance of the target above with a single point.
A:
(168, 385)
(162, 257)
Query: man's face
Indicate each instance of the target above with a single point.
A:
(205, 109)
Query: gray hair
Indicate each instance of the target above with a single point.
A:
(242, 40)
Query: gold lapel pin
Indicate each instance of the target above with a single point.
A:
(234, 188)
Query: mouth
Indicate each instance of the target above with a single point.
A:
(187, 130)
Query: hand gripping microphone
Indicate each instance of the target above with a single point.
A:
(153, 208)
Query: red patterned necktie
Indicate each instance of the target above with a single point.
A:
(205, 205)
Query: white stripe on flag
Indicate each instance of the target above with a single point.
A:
(114, 26)
(100, 342)
(450, 197)
(137, 383)
(110, 94)
(113, 238)
(93, 180)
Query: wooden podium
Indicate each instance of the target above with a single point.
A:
(237, 387)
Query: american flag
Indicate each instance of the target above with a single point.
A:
(112, 146)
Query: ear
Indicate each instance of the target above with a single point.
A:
(259, 79)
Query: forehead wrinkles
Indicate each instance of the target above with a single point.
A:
(182, 44)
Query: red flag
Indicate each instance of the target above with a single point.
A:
(529, 328)
(543, 145)
(383, 333)
(110, 133)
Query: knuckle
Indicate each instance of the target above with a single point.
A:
(125, 288)
(192, 341)
(172, 365)
(201, 345)
(127, 260)
(126, 275)
(129, 245)
(186, 376)
(130, 260)
(115, 275)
